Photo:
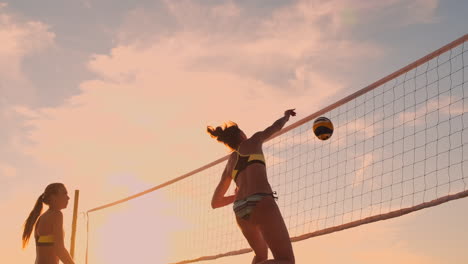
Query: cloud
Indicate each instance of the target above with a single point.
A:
(271, 48)
(172, 88)
(20, 38)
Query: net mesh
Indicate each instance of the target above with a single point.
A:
(397, 147)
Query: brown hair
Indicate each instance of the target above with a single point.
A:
(30, 222)
(229, 134)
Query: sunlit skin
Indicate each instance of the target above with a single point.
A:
(51, 223)
(265, 228)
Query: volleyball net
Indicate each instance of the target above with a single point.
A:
(399, 145)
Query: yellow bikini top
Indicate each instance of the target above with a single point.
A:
(48, 240)
(243, 161)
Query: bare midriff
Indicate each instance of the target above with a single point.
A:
(46, 255)
(251, 180)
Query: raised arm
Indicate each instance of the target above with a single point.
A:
(60, 249)
(275, 127)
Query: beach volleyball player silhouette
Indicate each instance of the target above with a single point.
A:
(255, 208)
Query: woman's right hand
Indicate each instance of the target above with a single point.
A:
(290, 112)
(276, 127)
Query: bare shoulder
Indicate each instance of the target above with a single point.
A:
(256, 139)
(257, 135)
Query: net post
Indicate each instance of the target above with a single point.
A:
(75, 215)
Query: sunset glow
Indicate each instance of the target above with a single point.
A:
(113, 98)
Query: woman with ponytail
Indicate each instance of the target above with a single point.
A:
(255, 208)
(48, 227)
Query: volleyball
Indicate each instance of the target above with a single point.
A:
(323, 128)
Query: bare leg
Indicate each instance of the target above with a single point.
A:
(255, 239)
(273, 229)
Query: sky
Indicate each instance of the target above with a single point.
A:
(113, 98)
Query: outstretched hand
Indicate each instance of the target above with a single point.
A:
(290, 112)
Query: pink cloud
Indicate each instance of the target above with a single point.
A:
(148, 109)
